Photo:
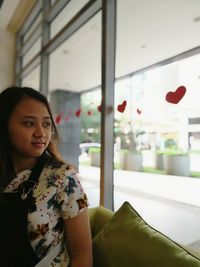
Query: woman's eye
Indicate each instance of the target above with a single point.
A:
(47, 124)
(28, 123)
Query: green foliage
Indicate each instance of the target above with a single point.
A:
(90, 125)
(94, 150)
(126, 151)
(152, 170)
(170, 143)
(160, 152)
(195, 174)
(172, 152)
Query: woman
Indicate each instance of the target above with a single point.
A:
(27, 131)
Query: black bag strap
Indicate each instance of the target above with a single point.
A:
(13, 205)
(37, 169)
(28, 185)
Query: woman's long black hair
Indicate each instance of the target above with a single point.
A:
(9, 99)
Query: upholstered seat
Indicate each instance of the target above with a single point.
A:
(124, 239)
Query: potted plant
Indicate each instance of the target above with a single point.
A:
(159, 159)
(177, 162)
(131, 157)
(94, 153)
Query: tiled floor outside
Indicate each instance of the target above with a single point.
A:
(171, 204)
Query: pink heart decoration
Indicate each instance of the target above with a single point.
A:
(99, 108)
(121, 108)
(78, 113)
(175, 97)
(139, 111)
(58, 118)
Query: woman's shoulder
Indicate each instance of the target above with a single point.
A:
(59, 166)
(60, 174)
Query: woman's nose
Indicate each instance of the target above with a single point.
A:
(39, 131)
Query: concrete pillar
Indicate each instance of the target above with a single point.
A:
(67, 103)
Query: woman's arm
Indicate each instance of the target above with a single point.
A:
(79, 241)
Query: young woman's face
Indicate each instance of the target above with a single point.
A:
(29, 129)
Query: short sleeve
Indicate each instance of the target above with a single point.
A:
(70, 195)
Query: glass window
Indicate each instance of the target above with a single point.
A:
(75, 69)
(32, 79)
(53, 2)
(66, 15)
(151, 31)
(157, 129)
(75, 64)
(32, 52)
(32, 28)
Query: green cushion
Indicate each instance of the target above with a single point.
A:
(128, 241)
(99, 216)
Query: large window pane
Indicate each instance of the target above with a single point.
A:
(76, 64)
(65, 15)
(33, 27)
(32, 79)
(32, 52)
(157, 115)
(151, 31)
(75, 69)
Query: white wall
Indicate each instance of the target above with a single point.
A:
(7, 58)
(7, 43)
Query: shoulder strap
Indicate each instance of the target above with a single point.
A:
(47, 260)
(37, 169)
(29, 185)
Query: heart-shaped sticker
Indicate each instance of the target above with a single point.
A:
(78, 113)
(99, 108)
(121, 107)
(175, 97)
(139, 111)
(58, 118)
(89, 113)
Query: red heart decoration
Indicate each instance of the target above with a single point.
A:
(58, 118)
(89, 113)
(139, 111)
(99, 108)
(122, 107)
(78, 113)
(175, 97)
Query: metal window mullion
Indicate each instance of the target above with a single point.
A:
(34, 13)
(18, 62)
(30, 42)
(55, 10)
(189, 53)
(70, 28)
(107, 119)
(30, 67)
(44, 55)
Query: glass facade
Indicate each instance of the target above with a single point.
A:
(68, 12)
(66, 54)
(32, 79)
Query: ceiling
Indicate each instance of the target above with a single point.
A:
(148, 31)
(7, 11)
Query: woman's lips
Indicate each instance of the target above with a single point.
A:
(38, 145)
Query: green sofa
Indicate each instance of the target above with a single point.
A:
(124, 239)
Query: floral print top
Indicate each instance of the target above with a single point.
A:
(58, 196)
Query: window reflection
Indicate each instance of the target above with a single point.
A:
(32, 79)
(66, 15)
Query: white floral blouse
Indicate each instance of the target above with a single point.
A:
(58, 196)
